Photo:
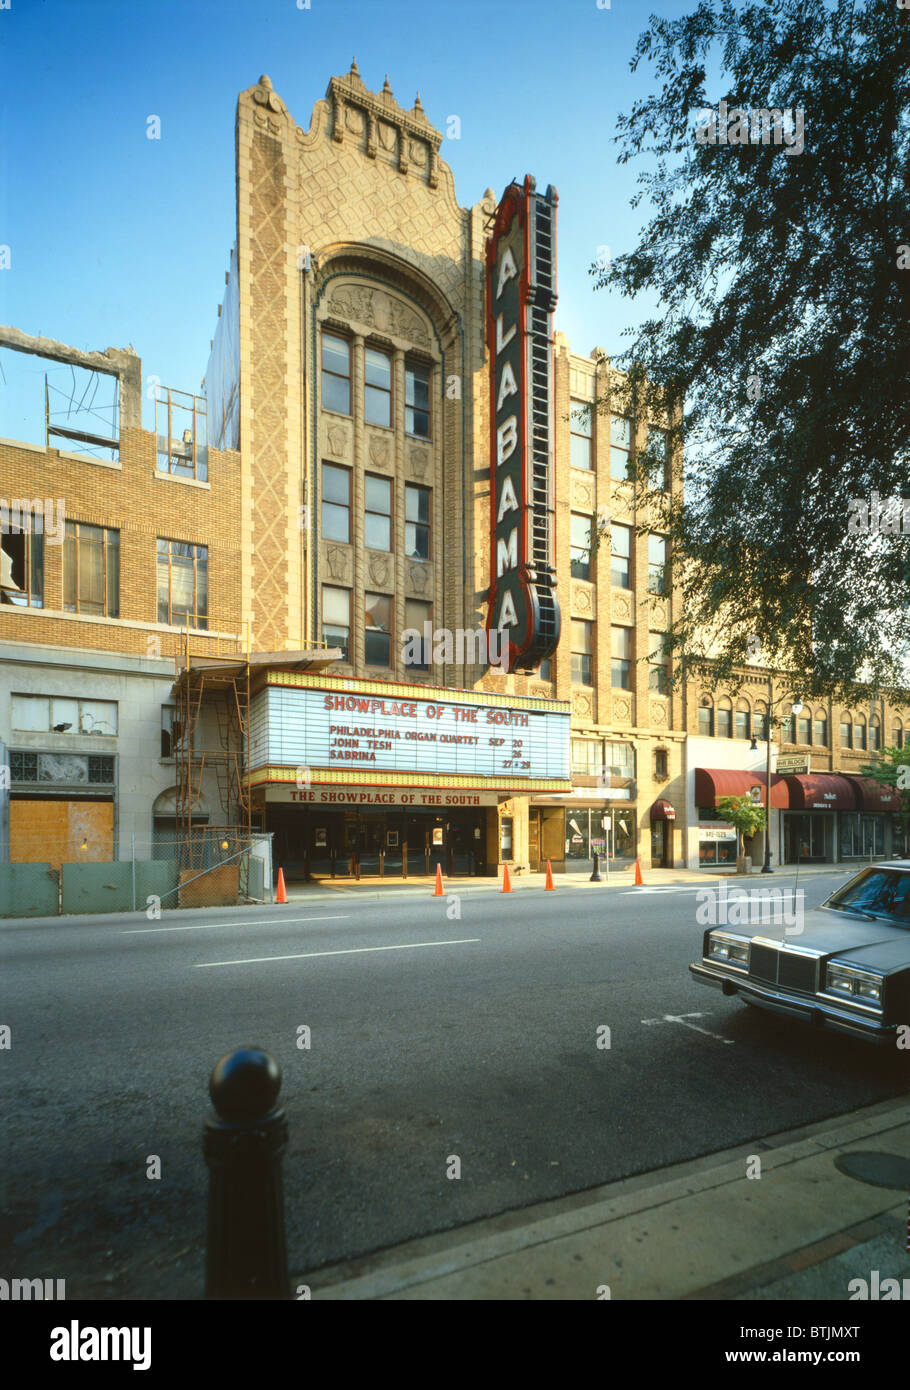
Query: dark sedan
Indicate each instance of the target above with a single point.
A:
(845, 966)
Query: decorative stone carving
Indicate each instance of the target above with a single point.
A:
(353, 120)
(658, 713)
(582, 491)
(622, 710)
(388, 136)
(419, 461)
(419, 576)
(377, 310)
(582, 599)
(337, 561)
(378, 566)
(380, 451)
(659, 616)
(494, 683)
(622, 608)
(338, 440)
(418, 153)
(542, 691)
(582, 705)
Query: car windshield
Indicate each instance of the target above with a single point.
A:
(880, 893)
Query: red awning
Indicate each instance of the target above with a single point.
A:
(820, 791)
(711, 783)
(872, 796)
(662, 810)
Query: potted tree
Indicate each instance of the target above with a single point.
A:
(746, 816)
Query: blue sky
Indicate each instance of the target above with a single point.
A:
(116, 239)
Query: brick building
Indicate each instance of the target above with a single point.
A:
(347, 494)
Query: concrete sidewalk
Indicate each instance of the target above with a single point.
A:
(696, 1230)
(376, 887)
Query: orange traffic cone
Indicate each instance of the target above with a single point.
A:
(281, 896)
(506, 881)
(437, 891)
(548, 886)
(639, 881)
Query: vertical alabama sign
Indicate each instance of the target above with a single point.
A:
(521, 297)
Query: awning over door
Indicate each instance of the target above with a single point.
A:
(820, 791)
(711, 783)
(872, 796)
(662, 810)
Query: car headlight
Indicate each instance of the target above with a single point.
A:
(853, 984)
(729, 948)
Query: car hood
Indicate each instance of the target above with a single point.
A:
(832, 933)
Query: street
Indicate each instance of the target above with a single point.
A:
(431, 1036)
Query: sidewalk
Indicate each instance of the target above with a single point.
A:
(696, 1230)
(373, 886)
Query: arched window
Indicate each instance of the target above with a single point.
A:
(760, 720)
(725, 717)
(846, 729)
(897, 734)
(804, 727)
(706, 717)
(859, 731)
(742, 718)
(820, 729)
(875, 732)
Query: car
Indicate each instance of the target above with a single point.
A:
(845, 966)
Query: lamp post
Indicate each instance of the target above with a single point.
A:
(796, 708)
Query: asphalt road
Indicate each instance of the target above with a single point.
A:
(431, 1035)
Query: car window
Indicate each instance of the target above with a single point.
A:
(884, 892)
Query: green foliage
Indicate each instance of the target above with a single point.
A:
(783, 338)
(887, 771)
(743, 814)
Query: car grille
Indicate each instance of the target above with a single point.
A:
(783, 968)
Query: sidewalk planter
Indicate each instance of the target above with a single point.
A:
(744, 864)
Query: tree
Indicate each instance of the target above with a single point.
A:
(892, 769)
(782, 343)
(744, 814)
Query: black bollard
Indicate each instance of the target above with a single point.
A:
(246, 1253)
(595, 877)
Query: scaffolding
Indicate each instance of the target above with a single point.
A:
(220, 681)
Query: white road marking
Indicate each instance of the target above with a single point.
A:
(682, 1018)
(351, 951)
(215, 926)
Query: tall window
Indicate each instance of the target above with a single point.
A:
(659, 457)
(875, 734)
(336, 374)
(620, 556)
(336, 619)
(846, 732)
(22, 564)
(657, 564)
(620, 446)
(91, 570)
(336, 502)
(417, 399)
(416, 615)
(544, 670)
(820, 730)
(897, 735)
(377, 389)
(581, 443)
(725, 720)
(377, 646)
(658, 669)
(621, 658)
(416, 522)
(377, 522)
(183, 583)
(580, 528)
(859, 734)
(582, 651)
(742, 721)
(168, 730)
(706, 721)
(760, 722)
